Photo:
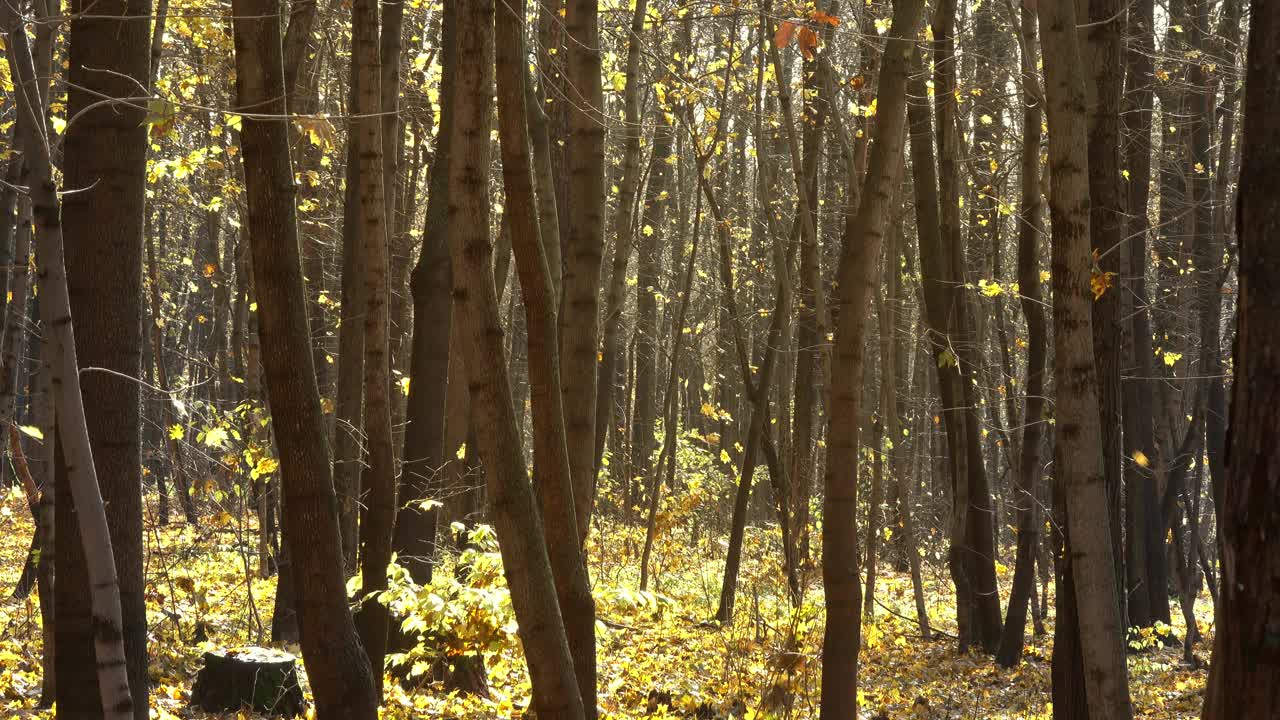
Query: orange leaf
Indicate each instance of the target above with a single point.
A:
(808, 42)
(824, 18)
(783, 36)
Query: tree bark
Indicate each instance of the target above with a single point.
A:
(336, 664)
(584, 246)
(515, 513)
(102, 585)
(1145, 572)
(378, 483)
(1030, 227)
(623, 230)
(105, 160)
(1089, 562)
(1244, 680)
(856, 278)
(648, 240)
(552, 474)
(973, 547)
(430, 284)
(1101, 50)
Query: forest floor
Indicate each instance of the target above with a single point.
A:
(649, 643)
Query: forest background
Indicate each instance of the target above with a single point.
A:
(754, 359)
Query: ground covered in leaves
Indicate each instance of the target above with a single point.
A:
(657, 655)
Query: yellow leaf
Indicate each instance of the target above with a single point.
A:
(1141, 458)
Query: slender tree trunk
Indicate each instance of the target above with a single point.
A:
(1030, 227)
(973, 548)
(378, 484)
(648, 286)
(180, 481)
(552, 475)
(349, 437)
(1089, 562)
(584, 245)
(623, 230)
(1147, 583)
(666, 458)
(856, 277)
(1101, 50)
(335, 662)
(430, 284)
(515, 513)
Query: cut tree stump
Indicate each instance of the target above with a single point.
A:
(259, 679)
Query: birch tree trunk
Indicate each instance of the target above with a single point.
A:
(74, 442)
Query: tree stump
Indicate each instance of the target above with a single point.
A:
(259, 679)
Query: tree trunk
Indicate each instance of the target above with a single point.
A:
(1101, 51)
(378, 484)
(1147, 584)
(552, 475)
(584, 245)
(349, 409)
(1244, 680)
(973, 548)
(430, 284)
(515, 513)
(1030, 227)
(1089, 562)
(103, 619)
(624, 230)
(857, 273)
(335, 662)
(105, 157)
(648, 286)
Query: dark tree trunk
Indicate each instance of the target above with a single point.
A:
(1030, 227)
(973, 545)
(1244, 680)
(1101, 51)
(1145, 572)
(106, 157)
(857, 273)
(430, 284)
(335, 662)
